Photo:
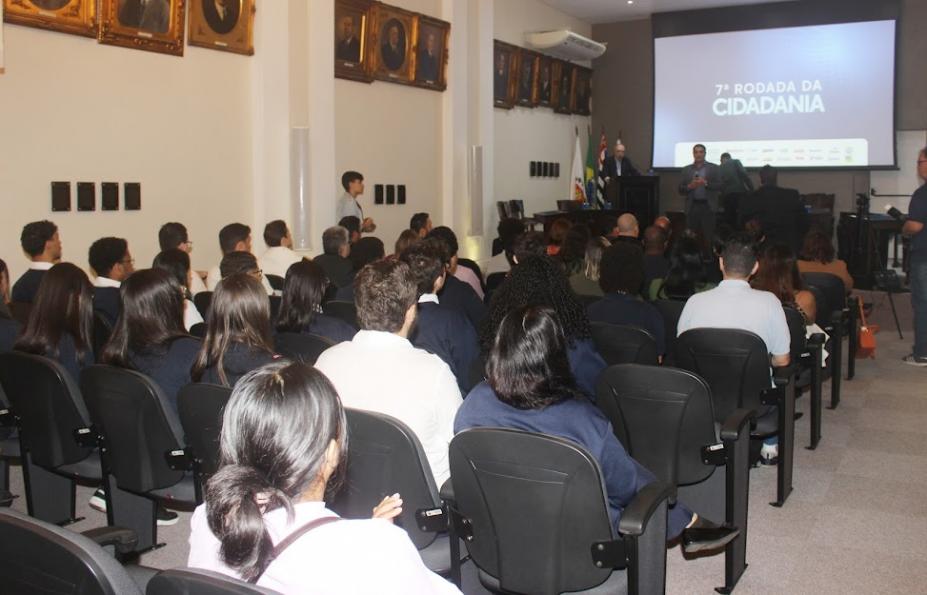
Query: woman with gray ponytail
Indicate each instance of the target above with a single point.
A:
(264, 519)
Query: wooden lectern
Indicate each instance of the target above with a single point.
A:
(639, 195)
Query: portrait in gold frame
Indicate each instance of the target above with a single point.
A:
(224, 25)
(431, 51)
(352, 23)
(154, 26)
(391, 44)
(66, 16)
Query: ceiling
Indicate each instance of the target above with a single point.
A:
(609, 11)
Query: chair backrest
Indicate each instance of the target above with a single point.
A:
(620, 344)
(517, 208)
(301, 346)
(346, 311)
(385, 457)
(276, 281)
(200, 408)
(662, 416)
(798, 341)
(671, 311)
(535, 504)
(102, 329)
(502, 208)
(139, 426)
(831, 286)
(734, 363)
(40, 558)
(202, 301)
(194, 581)
(21, 311)
(50, 406)
(198, 330)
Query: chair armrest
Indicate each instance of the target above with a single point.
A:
(122, 539)
(635, 517)
(785, 375)
(735, 424)
(180, 459)
(816, 340)
(8, 419)
(447, 491)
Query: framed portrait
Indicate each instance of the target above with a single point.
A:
(151, 25)
(226, 25)
(582, 91)
(525, 91)
(67, 16)
(545, 80)
(504, 72)
(431, 48)
(352, 22)
(390, 50)
(562, 99)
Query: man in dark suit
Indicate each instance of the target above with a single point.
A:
(393, 52)
(348, 47)
(111, 261)
(735, 184)
(456, 294)
(701, 185)
(221, 15)
(779, 211)
(42, 244)
(334, 260)
(617, 164)
(428, 59)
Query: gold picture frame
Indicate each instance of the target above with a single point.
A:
(78, 17)
(526, 78)
(431, 53)
(581, 92)
(504, 65)
(352, 25)
(562, 98)
(545, 81)
(391, 42)
(158, 26)
(224, 25)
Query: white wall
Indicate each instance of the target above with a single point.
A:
(75, 110)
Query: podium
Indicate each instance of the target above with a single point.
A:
(639, 195)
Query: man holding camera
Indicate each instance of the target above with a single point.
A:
(917, 276)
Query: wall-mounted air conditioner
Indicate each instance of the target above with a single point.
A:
(566, 44)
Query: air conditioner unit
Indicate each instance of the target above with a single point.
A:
(566, 44)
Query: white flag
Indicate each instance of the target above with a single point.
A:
(577, 174)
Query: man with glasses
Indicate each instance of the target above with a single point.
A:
(914, 229)
(172, 236)
(112, 263)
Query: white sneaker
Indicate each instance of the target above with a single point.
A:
(98, 500)
(769, 454)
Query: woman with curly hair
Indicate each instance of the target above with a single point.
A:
(540, 281)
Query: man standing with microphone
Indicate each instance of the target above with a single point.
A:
(917, 276)
(701, 185)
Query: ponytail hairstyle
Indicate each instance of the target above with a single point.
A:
(276, 430)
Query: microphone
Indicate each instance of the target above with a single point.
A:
(894, 213)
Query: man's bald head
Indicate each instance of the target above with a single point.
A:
(627, 226)
(619, 151)
(663, 223)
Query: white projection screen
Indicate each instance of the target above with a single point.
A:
(820, 96)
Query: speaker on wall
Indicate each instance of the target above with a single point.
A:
(401, 194)
(109, 196)
(378, 194)
(86, 196)
(61, 196)
(476, 190)
(299, 187)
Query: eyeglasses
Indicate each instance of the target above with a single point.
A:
(125, 262)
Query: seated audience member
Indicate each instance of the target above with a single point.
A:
(687, 274)
(380, 370)
(620, 277)
(334, 258)
(365, 251)
(240, 263)
(421, 224)
(779, 211)
(585, 280)
(301, 305)
(530, 387)
(4, 290)
(353, 183)
(664, 223)
(459, 291)
(469, 274)
(42, 244)
(9, 328)
(352, 224)
(149, 336)
(111, 261)
(528, 244)
(735, 305)
(508, 230)
(279, 255)
(406, 239)
(177, 263)
(442, 331)
(608, 227)
(573, 249)
(557, 233)
(173, 236)
(817, 256)
(234, 237)
(60, 325)
(628, 229)
(778, 274)
(238, 337)
(284, 440)
(656, 265)
(539, 281)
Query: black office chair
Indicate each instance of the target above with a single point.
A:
(807, 353)
(301, 346)
(665, 419)
(620, 344)
(198, 330)
(102, 329)
(385, 457)
(346, 311)
(834, 315)
(144, 460)
(202, 301)
(670, 311)
(50, 410)
(276, 282)
(38, 558)
(194, 581)
(533, 513)
(735, 363)
(200, 407)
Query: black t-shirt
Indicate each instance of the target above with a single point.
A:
(917, 211)
(169, 366)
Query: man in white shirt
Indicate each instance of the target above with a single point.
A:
(379, 370)
(112, 263)
(279, 255)
(353, 183)
(173, 236)
(234, 237)
(735, 305)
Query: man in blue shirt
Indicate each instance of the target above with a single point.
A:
(914, 228)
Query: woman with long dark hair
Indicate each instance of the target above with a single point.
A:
(60, 325)
(540, 281)
(177, 263)
(282, 446)
(818, 256)
(301, 305)
(530, 387)
(238, 337)
(687, 273)
(778, 274)
(149, 335)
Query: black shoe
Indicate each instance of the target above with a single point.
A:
(166, 517)
(799, 415)
(6, 498)
(704, 535)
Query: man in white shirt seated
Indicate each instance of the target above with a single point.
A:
(379, 370)
(279, 255)
(733, 304)
(234, 237)
(173, 235)
(112, 264)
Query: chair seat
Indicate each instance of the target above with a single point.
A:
(88, 468)
(437, 556)
(9, 448)
(182, 492)
(767, 424)
(142, 575)
(616, 584)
